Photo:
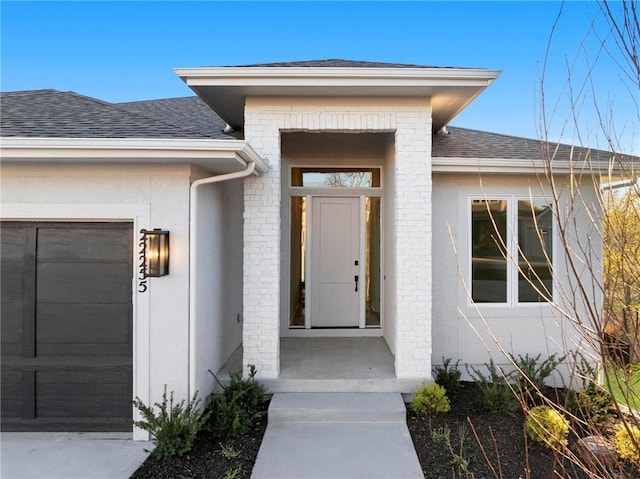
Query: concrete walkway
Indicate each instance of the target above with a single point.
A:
(70, 455)
(336, 436)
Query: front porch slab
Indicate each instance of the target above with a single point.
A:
(332, 365)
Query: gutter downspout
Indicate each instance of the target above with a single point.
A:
(193, 209)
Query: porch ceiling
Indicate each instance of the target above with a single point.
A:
(224, 89)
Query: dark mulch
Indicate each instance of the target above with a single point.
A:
(500, 435)
(205, 460)
(507, 454)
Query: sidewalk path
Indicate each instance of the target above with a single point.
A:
(337, 436)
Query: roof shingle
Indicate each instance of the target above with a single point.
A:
(56, 114)
(466, 143)
(336, 63)
(52, 113)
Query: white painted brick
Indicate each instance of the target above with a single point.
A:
(412, 127)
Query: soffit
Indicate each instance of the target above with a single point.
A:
(225, 89)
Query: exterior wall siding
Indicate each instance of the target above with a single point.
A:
(475, 333)
(410, 120)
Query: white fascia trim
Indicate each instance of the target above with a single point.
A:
(165, 150)
(515, 166)
(270, 76)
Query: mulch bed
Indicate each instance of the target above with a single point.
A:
(205, 460)
(498, 450)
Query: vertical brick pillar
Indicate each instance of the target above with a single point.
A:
(413, 244)
(261, 273)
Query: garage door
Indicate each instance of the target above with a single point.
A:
(66, 325)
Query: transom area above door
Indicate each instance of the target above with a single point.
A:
(331, 177)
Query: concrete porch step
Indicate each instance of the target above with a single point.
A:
(337, 436)
(336, 407)
(342, 385)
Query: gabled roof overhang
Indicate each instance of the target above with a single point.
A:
(215, 156)
(225, 89)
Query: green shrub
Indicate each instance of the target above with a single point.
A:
(430, 399)
(174, 427)
(448, 376)
(547, 426)
(595, 405)
(233, 411)
(530, 373)
(497, 395)
(586, 371)
(626, 441)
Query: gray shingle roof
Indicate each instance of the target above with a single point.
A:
(52, 113)
(465, 143)
(189, 113)
(56, 114)
(337, 63)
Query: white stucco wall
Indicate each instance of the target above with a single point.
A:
(474, 333)
(410, 121)
(218, 282)
(149, 196)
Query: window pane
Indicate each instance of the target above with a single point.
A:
(535, 246)
(372, 257)
(488, 251)
(297, 288)
(336, 177)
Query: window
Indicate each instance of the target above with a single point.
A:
(511, 250)
(336, 177)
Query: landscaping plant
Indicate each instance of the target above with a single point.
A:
(448, 376)
(430, 399)
(232, 411)
(626, 440)
(173, 427)
(595, 405)
(530, 374)
(547, 426)
(497, 393)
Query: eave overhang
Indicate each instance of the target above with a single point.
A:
(606, 171)
(225, 89)
(215, 156)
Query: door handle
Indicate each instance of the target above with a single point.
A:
(355, 278)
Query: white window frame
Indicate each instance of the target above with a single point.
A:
(512, 255)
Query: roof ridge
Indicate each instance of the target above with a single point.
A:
(335, 63)
(35, 91)
(155, 100)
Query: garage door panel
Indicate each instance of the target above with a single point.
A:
(83, 394)
(83, 245)
(73, 323)
(12, 242)
(83, 283)
(11, 328)
(12, 282)
(93, 350)
(11, 393)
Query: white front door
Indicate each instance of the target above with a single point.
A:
(335, 251)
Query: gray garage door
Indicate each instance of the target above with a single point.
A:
(66, 325)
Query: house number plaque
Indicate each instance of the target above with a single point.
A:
(142, 272)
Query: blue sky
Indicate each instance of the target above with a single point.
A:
(122, 51)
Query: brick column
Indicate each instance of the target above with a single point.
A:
(413, 244)
(261, 273)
